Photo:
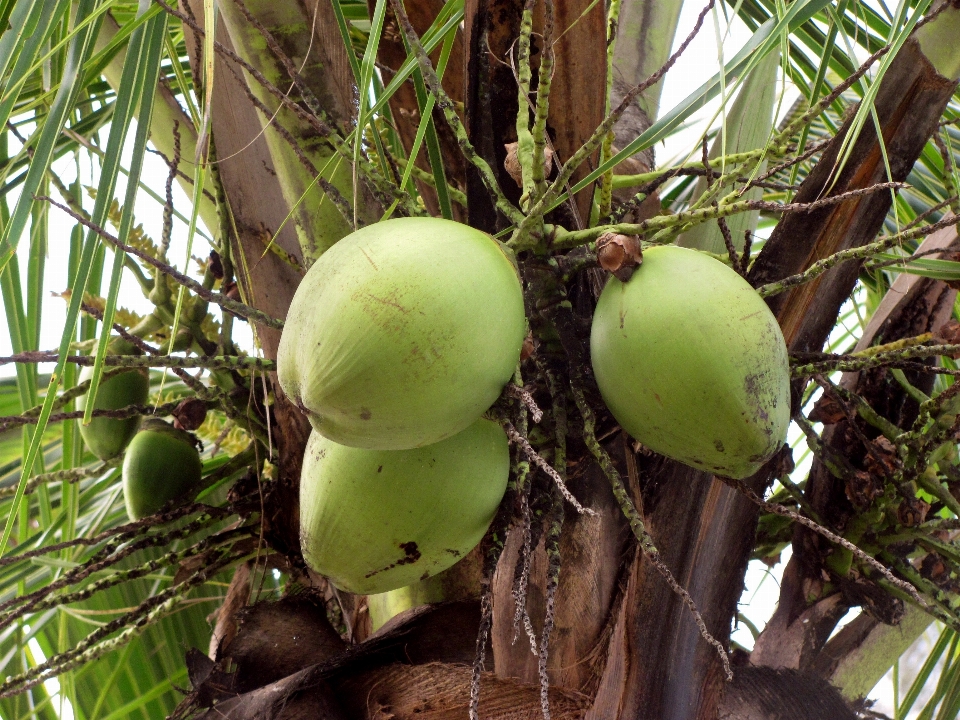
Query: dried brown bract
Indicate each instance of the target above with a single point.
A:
(528, 349)
(827, 410)
(882, 458)
(189, 414)
(511, 163)
(619, 254)
(948, 333)
(912, 512)
(216, 265)
(862, 488)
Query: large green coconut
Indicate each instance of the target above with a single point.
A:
(692, 363)
(376, 520)
(403, 333)
(161, 464)
(107, 437)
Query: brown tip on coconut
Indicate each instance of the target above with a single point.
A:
(619, 254)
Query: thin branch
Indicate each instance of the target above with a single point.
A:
(561, 238)
(527, 399)
(853, 363)
(538, 460)
(858, 253)
(218, 362)
(237, 308)
(647, 545)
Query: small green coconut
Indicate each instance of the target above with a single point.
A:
(161, 464)
(403, 333)
(376, 520)
(107, 437)
(692, 363)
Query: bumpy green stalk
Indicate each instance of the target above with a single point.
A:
(525, 144)
(545, 77)
(606, 150)
(134, 622)
(629, 511)
(222, 362)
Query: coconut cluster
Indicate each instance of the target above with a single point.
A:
(398, 339)
(405, 332)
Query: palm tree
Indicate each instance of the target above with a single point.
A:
(608, 582)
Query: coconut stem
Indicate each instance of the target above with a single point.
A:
(551, 544)
(606, 149)
(522, 237)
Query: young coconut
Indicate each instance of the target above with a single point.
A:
(376, 520)
(692, 363)
(161, 464)
(383, 607)
(403, 333)
(107, 437)
(461, 581)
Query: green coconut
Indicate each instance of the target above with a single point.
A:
(403, 333)
(107, 437)
(692, 363)
(461, 581)
(376, 520)
(383, 607)
(161, 464)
